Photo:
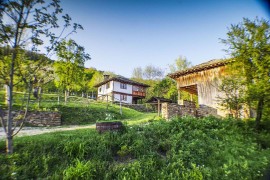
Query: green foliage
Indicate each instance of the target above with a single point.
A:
(180, 64)
(232, 98)
(185, 148)
(249, 43)
(166, 88)
(70, 67)
(27, 24)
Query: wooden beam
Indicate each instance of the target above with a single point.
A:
(158, 107)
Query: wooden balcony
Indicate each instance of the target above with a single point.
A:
(138, 93)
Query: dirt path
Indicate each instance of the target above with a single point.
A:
(29, 131)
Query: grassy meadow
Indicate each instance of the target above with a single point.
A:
(80, 111)
(184, 148)
(148, 147)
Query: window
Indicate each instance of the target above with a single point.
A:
(108, 85)
(123, 86)
(135, 88)
(100, 89)
(123, 97)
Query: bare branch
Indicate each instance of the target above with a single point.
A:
(25, 114)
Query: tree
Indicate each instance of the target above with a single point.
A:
(233, 94)
(249, 44)
(70, 66)
(137, 73)
(25, 24)
(181, 63)
(152, 72)
(166, 88)
(85, 81)
(97, 78)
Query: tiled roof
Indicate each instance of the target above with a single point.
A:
(201, 67)
(123, 80)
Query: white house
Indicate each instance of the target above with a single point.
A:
(121, 89)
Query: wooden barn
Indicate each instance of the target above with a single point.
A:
(203, 80)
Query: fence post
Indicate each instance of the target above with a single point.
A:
(158, 107)
(120, 107)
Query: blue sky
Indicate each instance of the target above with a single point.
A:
(123, 34)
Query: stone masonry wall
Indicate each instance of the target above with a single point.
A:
(38, 118)
(170, 110)
(204, 111)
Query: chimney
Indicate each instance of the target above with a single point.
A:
(106, 77)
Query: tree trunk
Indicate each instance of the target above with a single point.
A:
(66, 96)
(259, 112)
(9, 140)
(9, 144)
(39, 96)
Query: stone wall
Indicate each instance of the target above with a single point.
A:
(187, 108)
(38, 118)
(169, 110)
(204, 111)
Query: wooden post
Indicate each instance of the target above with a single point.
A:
(179, 96)
(107, 102)
(120, 107)
(158, 107)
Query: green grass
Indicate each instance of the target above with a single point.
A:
(81, 111)
(142, 118)
(185, 148)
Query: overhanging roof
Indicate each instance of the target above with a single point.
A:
(122, 80)
(192, 89)
(201, 67)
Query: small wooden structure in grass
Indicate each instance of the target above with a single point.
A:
(104, 126)
(157, 101)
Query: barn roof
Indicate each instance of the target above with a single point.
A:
(122, 80)
(201, 67)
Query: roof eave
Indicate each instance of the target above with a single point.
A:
(121, 80)
(198, 69)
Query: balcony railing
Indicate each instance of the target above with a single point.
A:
(138, 93)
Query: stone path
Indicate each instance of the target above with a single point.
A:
(29, 131)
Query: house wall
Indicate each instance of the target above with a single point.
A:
(104, 90)
(117, 98)
(114, 86)
(117, 88)
(207, 84)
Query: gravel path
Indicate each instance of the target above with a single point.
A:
(29, 131)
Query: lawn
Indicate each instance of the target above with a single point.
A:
(185, 148)
(81, 111)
